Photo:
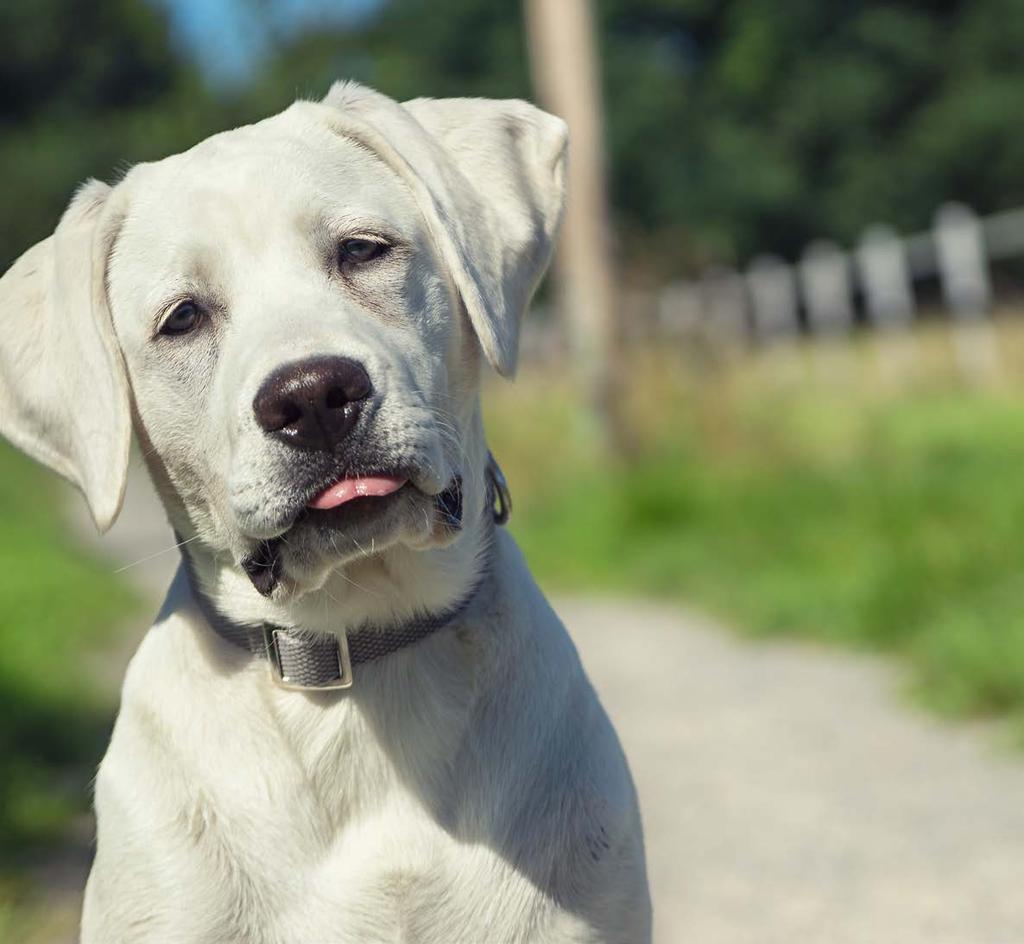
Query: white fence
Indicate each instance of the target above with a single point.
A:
(822, 292)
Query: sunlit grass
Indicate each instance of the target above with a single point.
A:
(814, 495)
(57, 608)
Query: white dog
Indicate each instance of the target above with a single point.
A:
(356, 718)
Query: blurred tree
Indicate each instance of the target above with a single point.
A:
(68, 56)
(84, 88)
(734, 126)
(741, 125)
(750, 125)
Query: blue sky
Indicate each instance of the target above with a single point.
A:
(227, 38)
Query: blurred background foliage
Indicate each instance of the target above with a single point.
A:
(733, 127)
(820, 499)
(60, 608)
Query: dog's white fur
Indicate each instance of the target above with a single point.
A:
(467, 789)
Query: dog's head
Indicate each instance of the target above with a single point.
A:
(293, 314)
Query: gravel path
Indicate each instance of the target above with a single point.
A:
(789, 793)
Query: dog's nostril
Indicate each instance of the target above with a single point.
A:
(290, 414)
(275, 414)
(337, 399)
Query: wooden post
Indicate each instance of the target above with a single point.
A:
(773, 298)
(566, 75)
(963, 265)
(825, 280)
(885, 277)
(725, 306)
(680, 310)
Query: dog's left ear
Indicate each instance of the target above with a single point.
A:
(490, 179)
(513, 155)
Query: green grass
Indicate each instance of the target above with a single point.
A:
(57, 609)
(891, 522)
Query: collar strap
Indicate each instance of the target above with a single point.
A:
(304, 660)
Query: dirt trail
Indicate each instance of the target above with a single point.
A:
(790, 794)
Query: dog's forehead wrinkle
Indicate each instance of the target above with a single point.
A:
(202, 201)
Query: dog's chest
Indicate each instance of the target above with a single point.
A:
(342, 825)
(362, 819)
(401, 879)
(393, 874)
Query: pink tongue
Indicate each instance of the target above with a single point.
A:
(347, 489)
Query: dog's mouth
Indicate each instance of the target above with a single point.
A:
(355, 503)
(354, 510)
(363, 495)
(357, 498)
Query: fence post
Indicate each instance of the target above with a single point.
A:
(825, 281)
(963, 268)
(885, 277)
(773, 298)
(883, 264)
(680, 309)
(725, 305)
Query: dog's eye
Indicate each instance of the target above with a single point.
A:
(360, 250)
(185, 317)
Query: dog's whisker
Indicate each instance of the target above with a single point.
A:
(341, 573)
(155, 554)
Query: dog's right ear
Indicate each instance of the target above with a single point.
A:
(63, 389)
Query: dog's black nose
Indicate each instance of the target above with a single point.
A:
(312, 404)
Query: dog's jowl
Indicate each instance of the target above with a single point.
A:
(356, 719)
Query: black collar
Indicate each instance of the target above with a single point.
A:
(306, 660)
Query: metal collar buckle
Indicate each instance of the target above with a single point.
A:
(282, 680)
